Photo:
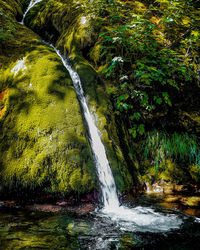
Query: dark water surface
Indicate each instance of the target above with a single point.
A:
(24, 229)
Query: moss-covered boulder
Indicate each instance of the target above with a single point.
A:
(43, 137)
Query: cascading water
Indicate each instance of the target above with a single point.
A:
(134, 219)
(31, 4)
(106, 179)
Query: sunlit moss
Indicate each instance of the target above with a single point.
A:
(44, 138)
(95, 53)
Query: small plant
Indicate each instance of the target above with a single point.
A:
(159, 147)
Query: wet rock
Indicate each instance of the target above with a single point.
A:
(87, 208)
(62, 204)
(44, 208)
(66, 202)
(172, 198)
(193, 201)
(10, 203)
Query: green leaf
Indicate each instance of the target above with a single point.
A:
(137, 116)
(125, 106)
(133, 131)
(141, 129)
(104, 70)
(165, 94)
(103, 34)
(158, 100)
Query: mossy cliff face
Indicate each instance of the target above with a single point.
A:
(43, 138)
(71, 29)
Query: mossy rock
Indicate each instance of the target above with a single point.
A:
(11, 8)
(16, 44)
(193, 201)
(168, 172)
(43, 137)
(50, 18)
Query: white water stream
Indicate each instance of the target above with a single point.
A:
(31, 4)
(106, 179)
(134, 219)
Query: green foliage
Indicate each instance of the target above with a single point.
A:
(173, 158)
(149, 53)
(180, 20)
(160, 146)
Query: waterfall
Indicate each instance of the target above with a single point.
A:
(31, 4)
(106, 179)
(138, 218)
(108, 187)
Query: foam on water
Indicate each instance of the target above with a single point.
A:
(143, 219)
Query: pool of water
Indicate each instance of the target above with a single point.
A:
(25, 229)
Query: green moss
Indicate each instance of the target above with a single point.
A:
(15, 47)
(173, 173)
(194, 172)
(43, 136)
(170, 172)
(193, 201)
(49, 17)
(79, 182)
(95, 53)
(12, 8)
